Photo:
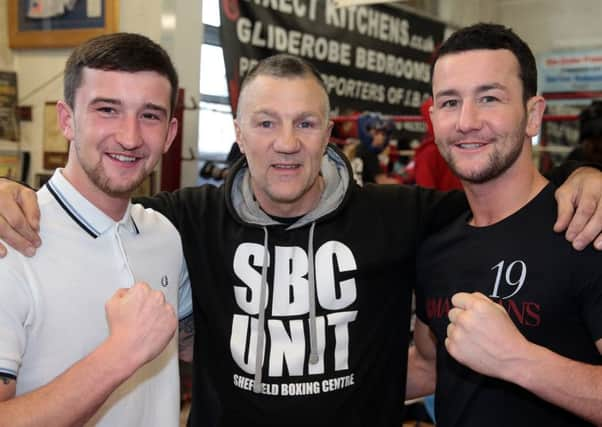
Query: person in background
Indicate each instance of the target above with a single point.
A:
(590, 135)
(301, 278)
(65, 358)
(509, 325)
(374, 137)
(218, 172)
(430, 168)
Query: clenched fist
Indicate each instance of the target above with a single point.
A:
(141, 323)
(482, 336)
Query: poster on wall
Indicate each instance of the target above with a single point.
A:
(9, 121)
(372, 58)
(59, 23)
(56, 146)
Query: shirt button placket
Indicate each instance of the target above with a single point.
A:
(126, 265)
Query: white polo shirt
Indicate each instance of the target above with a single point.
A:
(52, 305)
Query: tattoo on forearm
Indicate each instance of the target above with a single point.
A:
(186, 338)
(186, 334)
(187, 326)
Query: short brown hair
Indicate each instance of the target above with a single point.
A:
(118, 52)
(494, 37)
(283, 66)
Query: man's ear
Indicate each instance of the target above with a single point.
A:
(238, 133)
(329, 128)
(536, 107)
(172, 131)
(65, 119)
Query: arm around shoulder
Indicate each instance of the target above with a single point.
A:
(437, 209)
(19, 218)
(175, 205)
(580, 208)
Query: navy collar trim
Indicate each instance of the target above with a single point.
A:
(55, 193)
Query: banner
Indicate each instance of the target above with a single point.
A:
(579, 71)
(372, 58)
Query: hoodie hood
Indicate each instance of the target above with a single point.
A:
(335, 171)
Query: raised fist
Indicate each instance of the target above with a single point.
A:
(141, 323)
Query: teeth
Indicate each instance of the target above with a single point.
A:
(123, 158)
(286, 166)
(470, 145)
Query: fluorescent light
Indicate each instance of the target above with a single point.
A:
(168, 21)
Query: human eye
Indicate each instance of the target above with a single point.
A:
(448, 103)
(148, 115)
(106, 109)
(307, 124)
(487, 99)
(266, 124)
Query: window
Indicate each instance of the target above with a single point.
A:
(216, 131)
(211, 12)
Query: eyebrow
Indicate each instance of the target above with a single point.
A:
(151, 106)
(100, 100)
(273, 113)
(482, 88)
(264, 111)
(490, 86)
(113, 101)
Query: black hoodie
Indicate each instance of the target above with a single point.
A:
(336, 290)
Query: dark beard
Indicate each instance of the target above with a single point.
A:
(496, 167)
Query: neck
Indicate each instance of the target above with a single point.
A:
(113, 206)
(293, 208)
(497, 199)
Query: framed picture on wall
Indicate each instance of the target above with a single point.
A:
(9, 119)
(56, 146)
(59, 23)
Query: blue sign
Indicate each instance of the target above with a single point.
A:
(579, 71)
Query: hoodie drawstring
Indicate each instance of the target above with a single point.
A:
(313, 343)
(261, 319)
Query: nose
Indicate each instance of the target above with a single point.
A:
(469, 117)
(129, 134)
(287, 140)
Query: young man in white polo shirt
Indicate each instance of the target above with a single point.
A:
(63, 360)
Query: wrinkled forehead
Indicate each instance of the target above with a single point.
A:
(266, 92)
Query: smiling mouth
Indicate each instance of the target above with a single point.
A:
(470, 145)
(123, 158)
(286, 166)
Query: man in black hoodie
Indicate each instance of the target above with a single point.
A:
(301, 279)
